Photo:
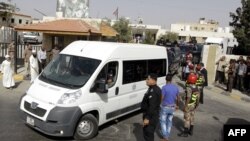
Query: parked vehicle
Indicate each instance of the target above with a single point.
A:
(31, 37)
(89, 84)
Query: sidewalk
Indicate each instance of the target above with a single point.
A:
(217, 89)
(19, 76)
(236, 94)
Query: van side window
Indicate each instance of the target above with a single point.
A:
(109, 73)
(134, 71)
(157, 66)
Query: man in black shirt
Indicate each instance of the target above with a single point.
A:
(150, 107)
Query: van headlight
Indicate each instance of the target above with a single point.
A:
(69, 98)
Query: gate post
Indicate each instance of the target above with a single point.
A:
(15, 51)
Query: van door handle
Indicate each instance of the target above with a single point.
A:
(116, 90)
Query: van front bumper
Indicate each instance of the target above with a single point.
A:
(60, 122)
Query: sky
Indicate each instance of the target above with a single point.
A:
(156, 12)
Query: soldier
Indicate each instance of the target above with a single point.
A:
(200, 81)
(191, 104)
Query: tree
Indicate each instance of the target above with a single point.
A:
(241, 24)
(170, 36)
(149, 38)
(125, 32)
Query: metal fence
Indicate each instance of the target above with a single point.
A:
(6, 34)
(20, 52)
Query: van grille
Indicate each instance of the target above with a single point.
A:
(38, 111)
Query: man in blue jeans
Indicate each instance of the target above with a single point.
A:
(170, 100)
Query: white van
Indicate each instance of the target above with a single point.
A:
(90, 83)
(31, 37)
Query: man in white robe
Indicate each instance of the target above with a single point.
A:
(34, 67)
(8, 73)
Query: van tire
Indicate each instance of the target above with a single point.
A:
(90, 129)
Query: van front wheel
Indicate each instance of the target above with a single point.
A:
(86, 128)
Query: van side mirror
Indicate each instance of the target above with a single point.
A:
(100, 87)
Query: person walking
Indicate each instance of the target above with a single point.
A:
(170, 101)
(34, 67)
(150, 107)
(6, 69)
(27, 54)
(191, 104)
(42, 56)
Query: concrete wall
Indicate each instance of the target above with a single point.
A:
(210, 55)
(69, 39)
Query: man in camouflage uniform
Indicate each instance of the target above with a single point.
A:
(191, 104)
(200, 82)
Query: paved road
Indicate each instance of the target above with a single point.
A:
(210, 117)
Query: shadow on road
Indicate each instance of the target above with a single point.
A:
(17, 84)
(138, 131)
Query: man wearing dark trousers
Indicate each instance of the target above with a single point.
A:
(203, 71)
(150, 107)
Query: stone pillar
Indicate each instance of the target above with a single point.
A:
(210, 55)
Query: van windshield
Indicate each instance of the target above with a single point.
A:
(69, 71)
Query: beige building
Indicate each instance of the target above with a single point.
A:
(202, 25)
(200, 30)
(139, 31)
(14, 19)
(10, 18)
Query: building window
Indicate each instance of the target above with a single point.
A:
(195, 28)
(27, 22)
(4, 19)
(212, 29)
(20, 21)
(202, 28)
(12, 20)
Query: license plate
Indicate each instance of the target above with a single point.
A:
(30, 121)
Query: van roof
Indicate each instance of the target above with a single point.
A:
(108, 50)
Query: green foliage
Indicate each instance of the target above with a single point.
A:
(170, 36)
(125, 32)
(107, 21)
(149, 38)
(241, 24)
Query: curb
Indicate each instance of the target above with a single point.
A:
(233, 95)
(219, 90)
(17, 77)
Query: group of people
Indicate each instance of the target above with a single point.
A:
(34, 63)
(237, 72)
(158, 105)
